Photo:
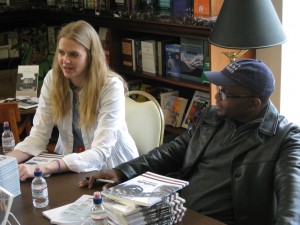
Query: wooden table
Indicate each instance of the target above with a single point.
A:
(63, 189)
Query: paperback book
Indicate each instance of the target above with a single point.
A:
(198, 103)
(191, 57)
(73, 213)
(175, 111)
(27, 80)
(173, 60)
(43, 158)
(144, 190)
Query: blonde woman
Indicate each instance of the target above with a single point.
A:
(85, 100)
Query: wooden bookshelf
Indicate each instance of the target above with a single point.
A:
(124, 27)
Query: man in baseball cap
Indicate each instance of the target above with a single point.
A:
(241, 158)
(249, 73)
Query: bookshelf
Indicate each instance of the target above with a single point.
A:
(124, 27)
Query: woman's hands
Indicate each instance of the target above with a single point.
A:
(26, 171)
(112, 174)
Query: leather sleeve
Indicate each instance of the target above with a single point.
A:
(287, 180)
(168, 158)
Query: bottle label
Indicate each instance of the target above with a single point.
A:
(40, 193)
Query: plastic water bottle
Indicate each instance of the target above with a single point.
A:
(8, 139)
(39, 189)
(98, 212)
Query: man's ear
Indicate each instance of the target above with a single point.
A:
(254, 103)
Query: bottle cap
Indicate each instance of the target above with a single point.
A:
(5, 124)
(37, 171)
(97, 197)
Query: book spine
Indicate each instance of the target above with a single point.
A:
(127, 57)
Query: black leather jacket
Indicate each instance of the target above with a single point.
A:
(265, 174)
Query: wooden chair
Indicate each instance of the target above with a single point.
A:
(9, 111)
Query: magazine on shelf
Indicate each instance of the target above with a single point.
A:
(144, 190)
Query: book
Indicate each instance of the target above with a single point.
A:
(202, 8)
(105, 38)
(161, 54)
(149, 56)
(128, 54)
(9, 175)
(198, 103)
(6, 199)
(13, 42)
(43, 158)
(134, 85)
(173, 60)
(166, 100)
(143, 87)
(27, 80)
(191, 57)
(146, 189)
(181, 8)
(52, 34)
(73, 213)
(168, 211)
(27, 102)
(175, 111)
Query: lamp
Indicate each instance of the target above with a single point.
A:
(247, 24)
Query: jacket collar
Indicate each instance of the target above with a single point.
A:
(268, 121)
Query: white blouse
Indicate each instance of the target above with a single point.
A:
(107, 143)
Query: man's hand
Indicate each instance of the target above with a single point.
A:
(112, 174)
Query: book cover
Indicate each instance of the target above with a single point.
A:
(27, 102)
(27, 80)
(173, 60)
(105, 37)
(161, 54)
(128, 54)
(149, 56)
(198, 103)
(43, 158)
(134, 85)
(202, 8)
(175, 112)
(73, 213)
(6, 199)
(143, 87)
(144, 190)
(191, 57)
(13, 41)
(52, 33)
(181, 8)
(166, 100)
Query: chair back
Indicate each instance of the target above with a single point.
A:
(9, 111)
(145, 121)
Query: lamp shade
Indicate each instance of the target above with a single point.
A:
(247, 24)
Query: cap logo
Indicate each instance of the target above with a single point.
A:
(232, 67)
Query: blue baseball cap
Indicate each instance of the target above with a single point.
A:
(250, 73)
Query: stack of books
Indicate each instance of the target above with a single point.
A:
(146, 199)
(9, 175)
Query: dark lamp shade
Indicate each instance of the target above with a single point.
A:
(247, 24)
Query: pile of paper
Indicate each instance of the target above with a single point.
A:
(9, 175)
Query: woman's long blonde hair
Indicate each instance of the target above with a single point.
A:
(84, 34)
